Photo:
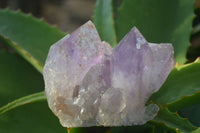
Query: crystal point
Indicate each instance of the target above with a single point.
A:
(87, 83)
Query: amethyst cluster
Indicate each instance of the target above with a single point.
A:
(87, 83)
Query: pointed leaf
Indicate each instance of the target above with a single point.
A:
(184, 102)
(30, 37)
(182, 81)
(174, 121)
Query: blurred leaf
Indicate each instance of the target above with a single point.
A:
(158, 129)
(103, 20)
(30, 37)
(30, 118)
(192, 113)
(18, 78)
(182, 81)
(174, 121)
(22, 101)
(184, 102)
(160, 21)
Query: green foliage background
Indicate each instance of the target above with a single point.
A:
(22, 101)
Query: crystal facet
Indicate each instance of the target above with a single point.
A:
(87, 83)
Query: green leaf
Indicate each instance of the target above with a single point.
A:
(103, 20)
(22, 101)
(168, 21)
(184, 102)
(17, 79)
(192, 113)
(31, 118)
(182, 81)
(174, 121)
(30, 37)
(158, 129)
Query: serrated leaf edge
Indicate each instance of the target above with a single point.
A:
(26, 55)
(23, 53)
(176, 114)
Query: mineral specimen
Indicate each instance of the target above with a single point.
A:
(87, 83)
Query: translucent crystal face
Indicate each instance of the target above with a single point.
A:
(87, 83)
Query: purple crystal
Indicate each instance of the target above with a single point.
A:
(87, 83)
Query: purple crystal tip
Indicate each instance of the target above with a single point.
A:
(87, 83)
